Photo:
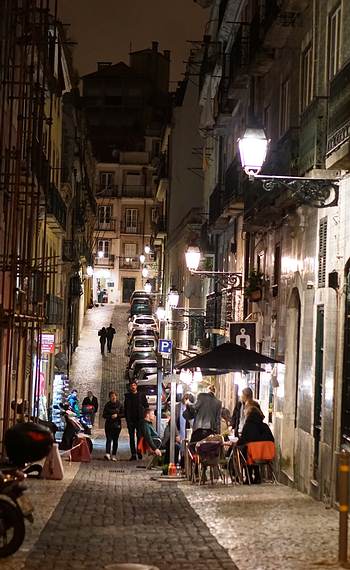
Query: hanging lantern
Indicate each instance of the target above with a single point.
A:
(148, 287)
(253, 149)
(173, 298)
(193, 257)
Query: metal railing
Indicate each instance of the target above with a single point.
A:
(109, 226)
(56, 206)
(54, 309)
(107, 192)
(130, 229)
(129, 263)
(138, 191)
(107, 261)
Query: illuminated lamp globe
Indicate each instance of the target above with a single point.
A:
(173, 298)
(197, 375)
(160, 313)
(193, 257)
(186, 376)
(89, 271)
(142, 258)
(147, 249)
(145, 272)
(253, 149)
(100, 254)
(148, 287)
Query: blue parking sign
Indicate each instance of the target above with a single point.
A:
(165, 346)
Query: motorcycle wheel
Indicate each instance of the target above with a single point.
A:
(12, 528)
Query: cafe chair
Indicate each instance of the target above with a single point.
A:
(144, 448)
(262, 454)
(209, 454)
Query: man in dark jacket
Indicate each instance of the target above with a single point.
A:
(112, 413)
(91, 400)
(134, 407)
(110, 332)
(206, 413)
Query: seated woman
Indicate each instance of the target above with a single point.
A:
(254, 429)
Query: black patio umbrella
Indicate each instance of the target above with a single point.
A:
(227, 357)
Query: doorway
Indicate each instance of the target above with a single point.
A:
(345, 429)
(128, 288)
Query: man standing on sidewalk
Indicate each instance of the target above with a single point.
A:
(134, 409)
(110, 332)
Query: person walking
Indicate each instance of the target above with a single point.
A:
(112, 413)
(102, 333)
(110, 332)
(91, 400)
(135, 405)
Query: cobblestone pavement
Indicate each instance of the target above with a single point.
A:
(104, 513)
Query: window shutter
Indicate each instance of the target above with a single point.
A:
(322, 251)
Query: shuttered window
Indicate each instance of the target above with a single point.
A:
(322, 251)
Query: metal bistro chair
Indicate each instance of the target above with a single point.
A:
(144, 448)
(209, 453)
(262, 454)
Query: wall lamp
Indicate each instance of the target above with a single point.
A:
(315, 192)
(193, 256)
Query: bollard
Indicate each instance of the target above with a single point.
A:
(343, 495)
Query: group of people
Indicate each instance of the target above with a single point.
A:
(106, 334)
(89, 402)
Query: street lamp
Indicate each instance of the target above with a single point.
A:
(316, 192)
(100, 254)
(142, 258)
(148, 287)
(145, 272)
(89, 271)
(147, 249)
(193, 256)
(173, 298)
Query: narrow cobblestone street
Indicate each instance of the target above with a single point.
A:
(104, 513)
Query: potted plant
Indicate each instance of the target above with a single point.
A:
(254, 286)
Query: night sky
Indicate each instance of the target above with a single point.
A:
(104, 29)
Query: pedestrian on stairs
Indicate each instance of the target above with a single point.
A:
(112, 413)
(102, 333)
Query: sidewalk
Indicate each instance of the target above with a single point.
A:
(268, 527)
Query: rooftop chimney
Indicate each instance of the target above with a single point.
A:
(155, 46)
(103, 65)
(167, 54)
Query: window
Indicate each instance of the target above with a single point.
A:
(104, 245)
(130, 250)
(133, 178)
(276, 270)
(131, 215)
(306, 78)
(106, 179)
(285, 107)
(334, 40)
(322, 251)
(104, 215)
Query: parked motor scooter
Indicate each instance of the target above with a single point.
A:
(26, 442)
(73, 427)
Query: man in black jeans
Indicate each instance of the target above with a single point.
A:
(134, 408)
(110, 332)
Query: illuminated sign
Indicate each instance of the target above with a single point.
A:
(48, 343)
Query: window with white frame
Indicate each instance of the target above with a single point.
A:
(131, 215)
(334, 42)
(104, 215)
(104, 245)
(106, 179)
(285, 107)
(306, 77)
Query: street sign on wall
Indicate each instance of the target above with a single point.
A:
(244, 334)
(48, 343)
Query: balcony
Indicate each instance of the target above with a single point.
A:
(338, 142)
(107, 226)
(54, 310)
(160, 226)
(313, 134)
(129, 263)
(56, 210)
(226, 199)
(137, 191)
(215, 312)
(40, 164)
(107, 192)
(107, 261)
(130, 229)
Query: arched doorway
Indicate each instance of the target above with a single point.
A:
(291, 385)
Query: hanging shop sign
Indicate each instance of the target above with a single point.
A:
(244, 334)
(48, 343)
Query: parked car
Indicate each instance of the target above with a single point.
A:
(139, 294)
(150, 333)
(142, 343)
(142, 355)
(143, 369)
(141, 307)
(139, 360)
(142, 322)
